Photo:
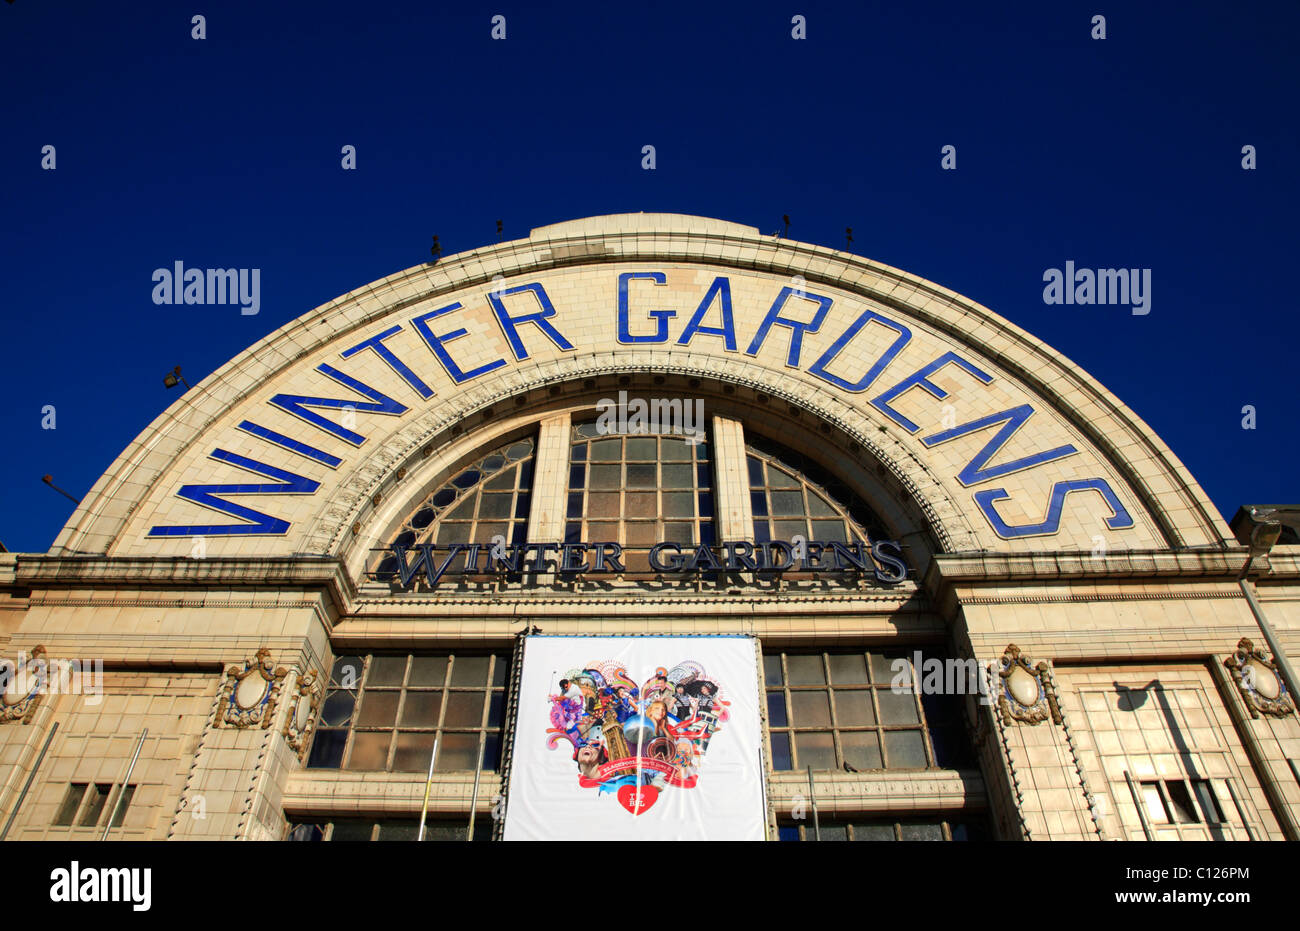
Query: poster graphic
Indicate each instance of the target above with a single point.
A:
(637, 738)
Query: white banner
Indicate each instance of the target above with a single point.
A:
(637, 738)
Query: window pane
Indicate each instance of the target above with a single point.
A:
(609, 450)
(400, 830)
(781, 758)
(833, 832)
(819, 506)
(386, 670)
(811, 709)
(641, 533)
(642, 448)
(826, 531)
(776, 716)
(496, 709)
(816, 749)
(449, 533)
(469, 670)
(679, 504)
(897, 707)
(788, 529)
(882, 666)
(501, 481)
(500, 670)
(772, 668)
(675, 449)
(787, 503)
(679, 532)
(352, 830)
(755, 472)
(491, 754)
(457, 752)
(861, 749)
(853, 708)
(642, 476)
(309, 833)
(428, 670)
(421, 709)
(678, 476)
(347, 672)
(494, 507)
(905, 750)
(644, 504)
(1181, 800)
(370, 750)
(776, 478)
(805, 670)
(1154, 803)
(327, 749)
(602, 505)
(337, 710)
(378, 709)
(848, 669)
(118, 808)
(922, 831)
(464, 709)
(1209, 803)
(71, 802)
(873, 832)
(412, 753)
(606, 476)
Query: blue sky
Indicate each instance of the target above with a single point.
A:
(225, 152)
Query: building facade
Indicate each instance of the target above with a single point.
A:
(328, 558)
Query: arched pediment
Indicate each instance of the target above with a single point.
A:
(1003, 444)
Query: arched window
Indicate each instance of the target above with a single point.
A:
(487, 498)
(638, 490)
(791, 495)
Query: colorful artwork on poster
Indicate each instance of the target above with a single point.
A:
(634, 742)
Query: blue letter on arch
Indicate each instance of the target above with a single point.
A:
(205, 495)
(1119, 520)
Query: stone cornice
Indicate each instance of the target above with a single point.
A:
(949, 571)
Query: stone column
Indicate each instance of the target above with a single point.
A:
(733, 514)
(550, 481)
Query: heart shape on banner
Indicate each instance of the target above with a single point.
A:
(637, 801)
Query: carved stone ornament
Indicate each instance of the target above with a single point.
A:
(23, 683)
(1259, 681)
(300, 722)
(1026, 694)
(248, 695)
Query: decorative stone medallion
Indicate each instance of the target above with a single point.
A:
(22, 683)
(1026, 694)
(1259, 680)
(249, 694)
(300, 722)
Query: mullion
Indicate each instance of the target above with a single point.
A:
(442, 706)
(356, 711)
(397, 715)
